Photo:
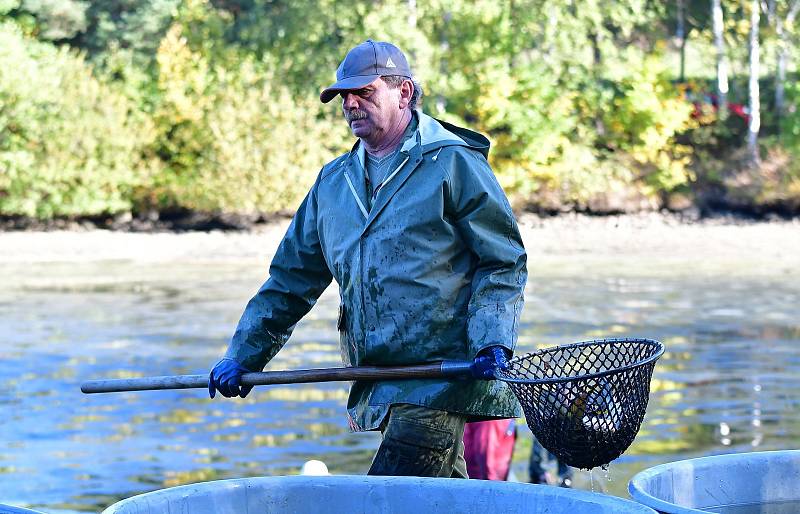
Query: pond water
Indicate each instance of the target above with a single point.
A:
(727, 383)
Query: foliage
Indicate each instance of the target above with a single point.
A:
(71, 144)
(790, 123)
(645, 117)
(211, 105)
(49, 20)
(136, 26)
(234, 139)
(568, 125)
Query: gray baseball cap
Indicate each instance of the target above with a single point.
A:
(365, 63)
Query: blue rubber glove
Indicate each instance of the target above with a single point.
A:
(489, 360)
(226, 378)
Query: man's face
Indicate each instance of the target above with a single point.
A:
(373, 110)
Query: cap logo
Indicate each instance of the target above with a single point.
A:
(390, 63)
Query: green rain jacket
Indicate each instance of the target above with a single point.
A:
(435, 270)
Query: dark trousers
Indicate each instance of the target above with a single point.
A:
(422, 442)
(539, 455)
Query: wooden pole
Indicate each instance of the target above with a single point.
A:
(446, 369)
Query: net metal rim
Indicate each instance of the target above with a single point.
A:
(599, 374)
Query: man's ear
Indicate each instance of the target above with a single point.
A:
(406, 92)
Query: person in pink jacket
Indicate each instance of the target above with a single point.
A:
(488, 448)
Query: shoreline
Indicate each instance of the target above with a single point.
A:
(559, 239)
(199, 222)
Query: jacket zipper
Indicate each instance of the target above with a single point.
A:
(355, 195)
(390, 177)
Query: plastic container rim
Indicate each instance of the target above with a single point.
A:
(645, 498)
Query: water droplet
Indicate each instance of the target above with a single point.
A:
(591, 478)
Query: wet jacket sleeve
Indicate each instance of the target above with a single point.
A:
(483, 217)
(297, 277)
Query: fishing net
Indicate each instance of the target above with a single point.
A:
(585, 402)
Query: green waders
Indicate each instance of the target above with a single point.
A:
(418, 441)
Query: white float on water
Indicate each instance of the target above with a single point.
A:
(315, 468)
(754, 482)
(371, 495)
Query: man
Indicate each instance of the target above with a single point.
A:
(417, 233)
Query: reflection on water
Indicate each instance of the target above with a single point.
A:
(726, 384)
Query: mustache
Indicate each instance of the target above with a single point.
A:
(354, 114)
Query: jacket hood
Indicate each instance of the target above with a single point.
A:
(434, 134)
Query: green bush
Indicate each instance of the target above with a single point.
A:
(643, 118)
(69, 143)
(564, 141)
(790, 120)
(232, 137)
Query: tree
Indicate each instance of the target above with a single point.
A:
(680, 33)
(718, 27)
(48, 20)
(775, 17)
(70, 144)
(754, 124)
(136, 26)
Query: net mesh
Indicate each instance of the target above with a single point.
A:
(585, 402)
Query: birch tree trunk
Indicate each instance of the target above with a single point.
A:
(722, 64)
(412, 14)
(680, 33)
(444, 46)
(411, 5)
(780, 73)
(754, 124)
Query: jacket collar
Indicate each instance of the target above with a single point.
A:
(431, 134)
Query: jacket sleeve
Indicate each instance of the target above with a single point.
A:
(297, 277)
(483, 217)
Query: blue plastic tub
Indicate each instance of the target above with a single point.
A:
(732, 483)
(8, 509)
(369, 495)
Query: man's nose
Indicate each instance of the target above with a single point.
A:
(349, 100)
